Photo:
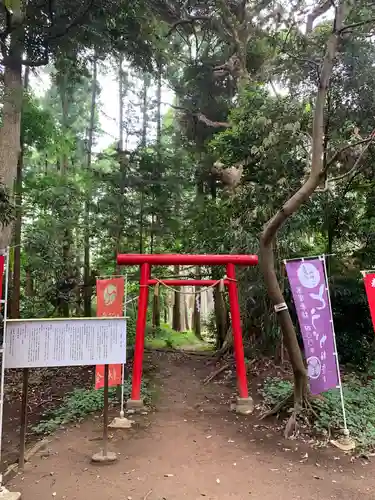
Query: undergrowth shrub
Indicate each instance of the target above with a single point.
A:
(130, 327)
(359, 405)
(165, 336)
(354, 331)
(80, 403)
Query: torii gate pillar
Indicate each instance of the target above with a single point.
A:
(244, 403)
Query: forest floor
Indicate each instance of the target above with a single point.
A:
(191, 447)
(47, 388)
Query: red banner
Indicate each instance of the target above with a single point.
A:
(110, 298)
(2, 264)
(369, 281)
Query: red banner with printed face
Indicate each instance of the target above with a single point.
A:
(369, 281)
(110, 298)
(2, 264)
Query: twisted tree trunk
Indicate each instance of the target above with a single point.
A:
(291, 206)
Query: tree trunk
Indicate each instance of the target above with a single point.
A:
(176, 321)
(16, 289)
(156, 301)
(221, 315)
(197, 309)
(269, 233)
(10, 131)
(156, 308)
(64, 307)
(87, 289)
(146, 83)
(186, 326)
(122, 165)
(29, 284)
(197, 314)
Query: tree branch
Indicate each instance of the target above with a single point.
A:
(303, 60)
(321, 9)
(35, 64)
(358, 160)
(348, 146)
(51, 12)
(357, 25)
(81, 14)
(201, 117)
(230, 22)
(187, 20)
(325, 76)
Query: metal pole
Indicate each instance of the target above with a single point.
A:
(346, 430)
(105, 412)
(3, 356)
(237, 332)
(140, 332)
(23, 428)
(123, 366)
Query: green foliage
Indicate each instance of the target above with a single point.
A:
(275, 390)
(76, 28)
(167, 337)
(353, 326)
(38, 125)
(79, 404)
(130, 327)
(162, 195)
(359, 405)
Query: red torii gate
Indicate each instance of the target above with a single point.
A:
(146, 261)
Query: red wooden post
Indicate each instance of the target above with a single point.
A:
(135, 400)
(237, 332)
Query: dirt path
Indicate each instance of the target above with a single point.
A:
(192, 448)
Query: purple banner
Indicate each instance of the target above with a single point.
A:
(310, 293)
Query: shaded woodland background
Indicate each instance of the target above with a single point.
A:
(202, 178)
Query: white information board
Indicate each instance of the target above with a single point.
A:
(34, 343)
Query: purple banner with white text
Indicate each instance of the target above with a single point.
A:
(309, 288)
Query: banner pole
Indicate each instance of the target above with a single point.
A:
(4, 493)
(105, 456)
(105, 412)
(122, 422)
(3, 356)
(122, 414)
(348, 442)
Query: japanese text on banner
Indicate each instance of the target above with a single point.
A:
(310, 294)
(110, 298)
